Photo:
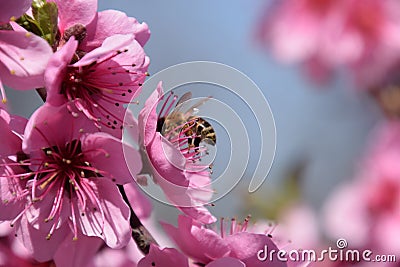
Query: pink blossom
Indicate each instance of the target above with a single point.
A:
(23, 58)
(324, 35)
(80, 18)
(167, 257)
(62, 187)
(185, 184)
(205, 246)
(366, 210)
(99, 83)
(109, 22)
(13, 9)
(100, 63)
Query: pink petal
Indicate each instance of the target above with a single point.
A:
(245, 246)
(111, 156)
(11, 143)
(77, 252)
(44, 130)
(114, 257)
(199, 213)
(37, 215)
(10, 205)
(200, 244)
(117, 42)
(110, 22)
(116, 231)
(223, 262)
(132, 128)
(141, 204)
(148, 116)
(35, 241)
(167, 161)
(56, 71)
(23, 59)
(74, 12)
(18, 124)
(13, 8)
(167, 257)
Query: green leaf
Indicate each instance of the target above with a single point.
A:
(46, 16)
(30, 25)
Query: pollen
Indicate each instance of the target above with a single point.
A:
(4, 100)
(28, 34)
(12, 72)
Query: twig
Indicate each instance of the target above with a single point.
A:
(140, 234)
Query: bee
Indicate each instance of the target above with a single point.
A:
(185, 123)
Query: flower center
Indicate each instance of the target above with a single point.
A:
(185, 130)
(101, 89)
(62, 172)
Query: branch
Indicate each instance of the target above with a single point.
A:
(42, 93)
(142, 237)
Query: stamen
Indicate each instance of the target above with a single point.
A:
(222, 227)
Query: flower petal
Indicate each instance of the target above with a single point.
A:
(115, 229)
(110, 22)
(140, 203)
(245, 246)
(10, 204)
(13, 9)
(203, 245)
(56, 71)
(223, 262)
(23, 59)
(11, 143)
(44, 128)
(148, 116)
(75, 11)
(106, 153)
(35, 241)
(77, 252)
(167, 257)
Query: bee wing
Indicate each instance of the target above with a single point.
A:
(194, 109)
(179, 105)
(181, 108)
(185, 97)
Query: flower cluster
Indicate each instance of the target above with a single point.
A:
(66, 191)
(361, 36)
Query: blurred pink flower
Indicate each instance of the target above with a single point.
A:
(13, 9)
(23, 58)
(185, 184)
(325, 34)
(205, 246)
(366, 211)
(63, 187)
